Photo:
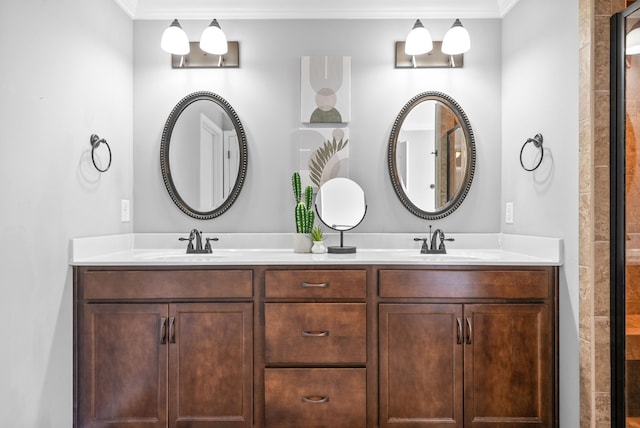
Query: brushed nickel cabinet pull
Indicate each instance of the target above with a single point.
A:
(163, 331)
(459, 332)
(319, 285)
(315, 333)
(468, 331)
(172, 330)
(315, 399)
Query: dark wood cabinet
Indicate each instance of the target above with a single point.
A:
(123, 370)
(145, 363)
(508, 373)
(340, 346)
(468, 364)
(315, 348)
(315, 397)
(421, 366)
(210, 365)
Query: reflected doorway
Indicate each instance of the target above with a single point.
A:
(625, 218)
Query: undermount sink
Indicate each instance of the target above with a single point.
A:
(451, 256)
(178, 256)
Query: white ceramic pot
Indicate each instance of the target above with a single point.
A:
(318, 247)
(301, 243)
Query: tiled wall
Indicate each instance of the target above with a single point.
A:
(595, 390)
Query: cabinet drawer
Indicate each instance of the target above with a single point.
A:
(315, 398)
(507, 284)
(313, 284)
(166, 284)
(315, 333)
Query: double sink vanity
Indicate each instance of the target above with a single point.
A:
(255, 335)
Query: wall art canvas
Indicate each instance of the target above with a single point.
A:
(325, 89)
(323, 154)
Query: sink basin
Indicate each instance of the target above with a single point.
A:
(451, 256)
(178, 256)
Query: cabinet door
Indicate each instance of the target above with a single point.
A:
(508, 371)
(123, 369)
(420, 365)
(210, 357)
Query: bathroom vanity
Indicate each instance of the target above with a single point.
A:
(377, 339)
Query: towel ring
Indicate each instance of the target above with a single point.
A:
(95, 143)
(537, 142)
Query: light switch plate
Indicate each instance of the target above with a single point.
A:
(125, 211)
(508, 215)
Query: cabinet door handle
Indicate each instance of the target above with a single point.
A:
(172, 330)
(469, 331)
(315, 333)
(163, 331)
(312, 285)
(315, 399)
(459, 332)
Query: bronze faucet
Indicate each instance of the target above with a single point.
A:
(198, 249)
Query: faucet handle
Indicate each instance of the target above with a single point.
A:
(425, 245)
(442, 239)
(190, 239)
(207, 246)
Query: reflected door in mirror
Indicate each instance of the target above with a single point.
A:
(203, 155)
(431, 155)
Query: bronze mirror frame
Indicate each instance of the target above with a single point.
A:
(457, 199)
(165, 165)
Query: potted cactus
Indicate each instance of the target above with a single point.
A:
(304, 215)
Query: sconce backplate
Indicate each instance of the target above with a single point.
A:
(197, 58)
(433, 59)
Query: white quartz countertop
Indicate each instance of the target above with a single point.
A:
(164, 249)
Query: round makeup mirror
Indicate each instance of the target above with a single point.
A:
(341, 205)
(203, 155)
(431, 155)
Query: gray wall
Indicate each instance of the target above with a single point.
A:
(540, 95)
(265, 92)
(66, 72)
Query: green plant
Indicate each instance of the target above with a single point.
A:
(316, 234)
(304, 215)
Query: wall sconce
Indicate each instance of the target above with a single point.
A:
(213, 50)
(419, 51)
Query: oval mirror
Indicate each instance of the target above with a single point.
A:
(203, 155)
(341, 205)
(431, 155)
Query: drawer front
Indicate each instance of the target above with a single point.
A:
(314, 284)
(315, 333)
(166, 284)
(507, 284)
(315, 398)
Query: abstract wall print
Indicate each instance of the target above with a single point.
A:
(325, 93)
(323, 154)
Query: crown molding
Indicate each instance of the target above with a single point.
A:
(129, 6)
(329, 9)
(504, 6)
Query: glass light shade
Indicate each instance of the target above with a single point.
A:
(175, 40)
(213, 39)
(632, 44)
(418, 41)
(456, 41)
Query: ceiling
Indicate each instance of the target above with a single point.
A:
(315, 9)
